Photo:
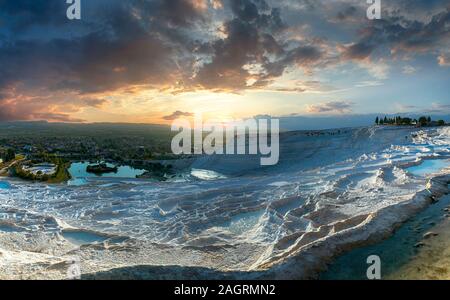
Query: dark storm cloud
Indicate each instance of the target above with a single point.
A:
(360, 50)
(185, 45)
(249, 41)
(303, 57)
(184, 13)
(417, 36)
(401, 35)
(22, 14)
(347, 13)
(122, 53)
(157, 43)
(252, 41)
(420, 5)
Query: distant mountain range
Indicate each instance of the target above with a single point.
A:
(287, 123)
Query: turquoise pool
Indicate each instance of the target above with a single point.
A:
(429, 167)
(4, 185)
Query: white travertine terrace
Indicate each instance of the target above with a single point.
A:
(331, 191)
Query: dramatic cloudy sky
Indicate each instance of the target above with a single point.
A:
(156, 60)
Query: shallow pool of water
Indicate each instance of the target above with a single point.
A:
(82, 237)
(77, 181)
(429, 167)
(4, 185)
(206, 174)
(78, 170)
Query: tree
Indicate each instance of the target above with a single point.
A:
(10, 155)
(423, 121)
(441, 123)
(406, 121)
(377, 121)
(429, 119)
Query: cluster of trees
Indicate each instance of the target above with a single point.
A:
(60, 175)
(21, 173)
(422, 121)
(51, 158)
(395, 121)
(7, 155)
